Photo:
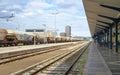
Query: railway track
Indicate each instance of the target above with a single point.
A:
(56, 65)
(11, 58)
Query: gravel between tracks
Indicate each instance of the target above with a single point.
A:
(8, 68)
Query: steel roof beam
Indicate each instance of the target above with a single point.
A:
(111, 7)
(104, 22)
(97, 29)
(100, 28)
(111, 18)
(102, 25)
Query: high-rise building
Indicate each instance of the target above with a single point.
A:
(68, 31)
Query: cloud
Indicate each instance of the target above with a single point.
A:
(35, 7)
(39, 4)
(66, 3)
(3, 11)
(34, 13)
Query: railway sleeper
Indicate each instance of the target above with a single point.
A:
(14, 54)
(36, 68)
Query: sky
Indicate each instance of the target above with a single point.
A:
(35, 14)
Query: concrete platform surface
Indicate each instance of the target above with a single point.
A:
(21, 48)
(111, 58)
(95, 63)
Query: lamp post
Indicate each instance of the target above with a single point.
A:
(34, 37)
(45, 38)
(56, 13)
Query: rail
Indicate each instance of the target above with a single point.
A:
(31, 70)
(29, 54)
(72, 65)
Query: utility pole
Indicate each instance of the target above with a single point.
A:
(56, 13)
(45, 38)
(34, 37)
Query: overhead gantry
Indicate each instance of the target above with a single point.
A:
(104, 21)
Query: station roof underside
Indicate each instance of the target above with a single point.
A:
(97, 9)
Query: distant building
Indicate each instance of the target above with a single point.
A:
(68, 31)
(51, 33)
(63, 34)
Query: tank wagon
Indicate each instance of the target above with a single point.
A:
(14, 37)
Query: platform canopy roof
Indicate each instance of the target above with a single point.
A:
(97, 9)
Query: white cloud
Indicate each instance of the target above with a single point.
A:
(38, 12)
(80, 33)
(68, 3)
(35, 7)
(4, 11)
(17, 6)
(39, 4)
(60, 1)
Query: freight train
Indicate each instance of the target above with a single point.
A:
(14, 37)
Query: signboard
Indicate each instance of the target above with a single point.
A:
(36, 30)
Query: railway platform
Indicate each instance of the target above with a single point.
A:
(19, 50)
(96, 64)
(28, 47)
(111, 58)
